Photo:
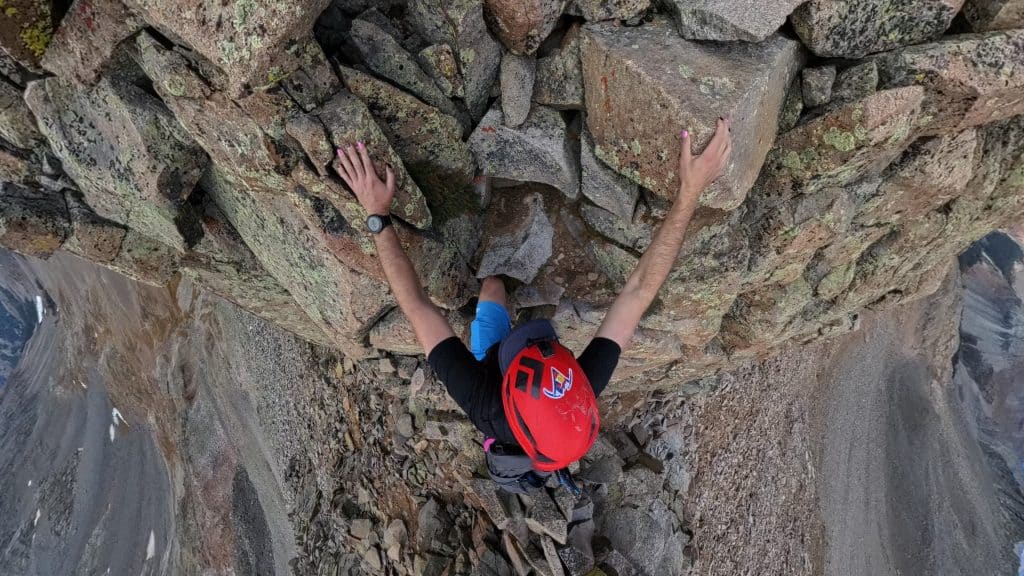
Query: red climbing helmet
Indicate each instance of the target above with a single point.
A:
(548, 400)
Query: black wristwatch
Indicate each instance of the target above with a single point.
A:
(376, 223)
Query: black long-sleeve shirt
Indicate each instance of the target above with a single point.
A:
(476, 385)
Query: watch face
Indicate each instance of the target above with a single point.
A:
(375, 224)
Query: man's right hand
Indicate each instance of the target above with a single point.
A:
(697, 172)
(356, 169)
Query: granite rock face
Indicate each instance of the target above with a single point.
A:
(728, 20)
(32, 222)
(190, 139)
(633, 70)
(241, 40)
(854, 29)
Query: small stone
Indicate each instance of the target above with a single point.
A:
(17, 124)
(576, 563)
(607, 470)
(539, 150)
(551, 555)
(793, 107)
(727, 20)
(619, 564)
(625, 232)
(385, 366)
(372, 559)
(565, 501)
(517, 76)
(361, 528)
(817, 85)
(461, 25)
(529, 295)
(638, 536)
(386, 57)
(515, 553)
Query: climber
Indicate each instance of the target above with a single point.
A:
(533, 400)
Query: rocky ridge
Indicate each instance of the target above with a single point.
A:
(536, 141)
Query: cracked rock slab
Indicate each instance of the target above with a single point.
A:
(460, 24)
(524, 247)
(604, 186)
(628, 72)
(844, 145)
(539, 150)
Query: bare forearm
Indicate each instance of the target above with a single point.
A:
(399, 271)
(657, 261)
(429, 325)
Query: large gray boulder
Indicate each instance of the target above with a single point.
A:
(539, 150)
(17, 124)
(725, 20)
(428, 141)
(856, 28)
(87, 37)
(559, 81)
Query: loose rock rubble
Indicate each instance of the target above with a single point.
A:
(538, 140)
